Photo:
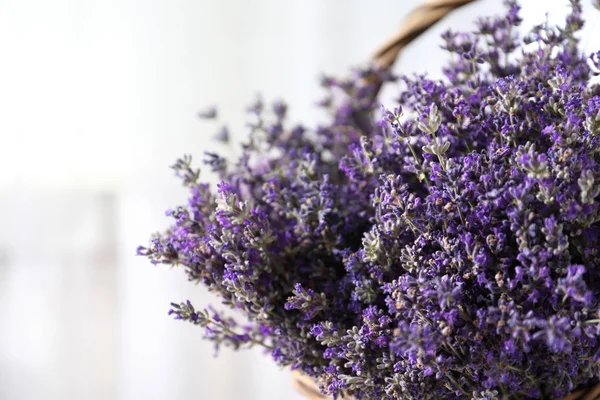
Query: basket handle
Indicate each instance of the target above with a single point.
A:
(418, 21)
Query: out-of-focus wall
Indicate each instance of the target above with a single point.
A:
(97, 98)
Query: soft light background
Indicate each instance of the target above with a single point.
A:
(97, 98)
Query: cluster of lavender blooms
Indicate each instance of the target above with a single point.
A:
(450, 253)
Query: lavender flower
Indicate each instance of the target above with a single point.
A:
(208, 113)
(222, 135)
(449, 255)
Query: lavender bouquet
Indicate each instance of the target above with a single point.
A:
(447, 252)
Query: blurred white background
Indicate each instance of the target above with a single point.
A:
(97, 99)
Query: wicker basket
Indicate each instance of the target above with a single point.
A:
(417, 22)
(310, 389)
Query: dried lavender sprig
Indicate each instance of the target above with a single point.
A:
(449, 255)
